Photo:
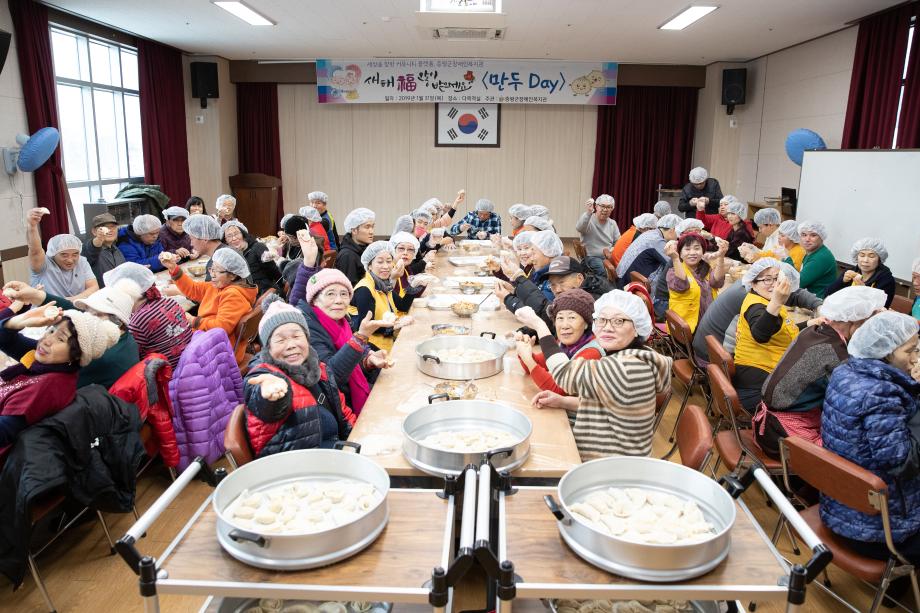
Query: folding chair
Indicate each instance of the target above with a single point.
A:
(685, 369)
(235, 440)
(902, 304)
(694, 439)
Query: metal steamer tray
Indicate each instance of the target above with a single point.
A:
(287, 551)
(433, 366)
(643, 561)
(458, 415)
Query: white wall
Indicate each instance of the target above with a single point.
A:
(17, 196)
(805, 86)
(383, 156)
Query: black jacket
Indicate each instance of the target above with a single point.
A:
(881, 279)
(264, 275)
(711, 190)
(90, 451)
(527, 293)
(348, 259)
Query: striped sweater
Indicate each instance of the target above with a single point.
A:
(616, 408)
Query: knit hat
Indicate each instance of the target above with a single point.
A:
(111, 301)
(323, 279)
(577, 300)
(277, 312)
(94, 334)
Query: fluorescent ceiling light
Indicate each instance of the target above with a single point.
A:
(688, 16)
(238, 9)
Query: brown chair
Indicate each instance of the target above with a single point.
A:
(247, 331)
(611, 271)
(902, 304)
(720, 357)
(637, 277)
(235, 441)
(661, 405)
(694, 438)
(858, 489)
(580, 252)
(685, 369)
(328, 260)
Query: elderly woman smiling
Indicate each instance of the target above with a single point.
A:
(264, 271)
(376, 294)
(869, 255)
(614, 411)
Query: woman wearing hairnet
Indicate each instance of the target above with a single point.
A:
(870, 403)
(224, 300)
(741, 231)
(694, 276)
(793, 394)
(61, 269)
(140, 242)
(262, 267)
(375, 293)
(359, 228)
(765, 328)
(819, 267)
(518, 214)
(869, 255)
(613, 398)
(173, 238)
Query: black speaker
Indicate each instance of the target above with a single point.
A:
(204, 81)
(5, 38)
(734, 87)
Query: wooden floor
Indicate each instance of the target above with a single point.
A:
(81, 576)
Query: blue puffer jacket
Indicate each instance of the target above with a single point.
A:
(865, 420)
(136, 251)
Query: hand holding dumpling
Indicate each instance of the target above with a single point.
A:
(271, 387)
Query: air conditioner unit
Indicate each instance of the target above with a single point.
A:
(468, 33)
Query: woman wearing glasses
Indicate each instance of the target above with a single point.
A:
(765, 328)
(613, 398)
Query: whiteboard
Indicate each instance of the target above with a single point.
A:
(865, 193)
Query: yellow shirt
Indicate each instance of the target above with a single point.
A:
(765, 356)
(687, 304)
(383, 303)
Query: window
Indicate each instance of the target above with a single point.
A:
(910, 37)
(99, 116)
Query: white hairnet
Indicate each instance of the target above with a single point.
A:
(691, 223)
(792, 274)
(790, 229)
(421, 214)
(548, 242)
(231, 261)
(358, 217)
(375, 249)
(403, 237)
(203, 227)
(285, 219)
(63, 242)
(869, 244)
(433, 202)
(769, 216)
(630, 305)
(915, 268)
(310, 213)
(321, 196)
(404, 223)
(519, 211)
(645, 221)
(698, 175)
(668, 222)
(484, 204)
(522, 238)
(813, 226)
(227, 199)
(662, 208)
(175, 211)
(737, 207)
(539, 210)
(881, 335)
(606, 200)
(747, 279)
(538, 222)
(853, 303)
(233, 224)
(143, 224)
(131, 271)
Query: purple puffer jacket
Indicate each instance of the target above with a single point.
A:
(204, 390)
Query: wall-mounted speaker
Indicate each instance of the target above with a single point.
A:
(734, 87)
(5, 38)
(204, 81)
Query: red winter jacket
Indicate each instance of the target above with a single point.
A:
(146, 385)
(719, 226)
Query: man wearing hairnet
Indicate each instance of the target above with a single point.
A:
(99, 249)
(641, 223)
(869, 255)
(598, 231)
(479, 223)
(646, 255)
(140, 242)
(359, 226)
(701, 188)
(320, 201)
(61, 269)
(206, 237)
(793, 393)
(819, 268)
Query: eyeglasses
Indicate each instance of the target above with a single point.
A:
(603, 207)
(616, 322)
(767, 280)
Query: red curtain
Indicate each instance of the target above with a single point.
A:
(33, 48)
(258, 138)
(875, 84)
(163, 119)
(646, 139)
(909, 126)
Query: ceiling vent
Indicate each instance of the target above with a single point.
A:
(468, 33)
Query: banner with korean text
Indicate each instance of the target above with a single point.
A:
(466, 81)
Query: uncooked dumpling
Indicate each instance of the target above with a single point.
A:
(244, 512)
(332, 607)
(266, 517)
(271, 604)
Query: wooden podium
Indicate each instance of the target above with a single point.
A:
(257, 202)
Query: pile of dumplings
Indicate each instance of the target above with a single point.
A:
(622, 606)
(272, 605)
(463, 355)
(643, 516)
(470, 441)
(302, 507)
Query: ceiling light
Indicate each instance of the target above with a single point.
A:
(250, 16)
(686, 17)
